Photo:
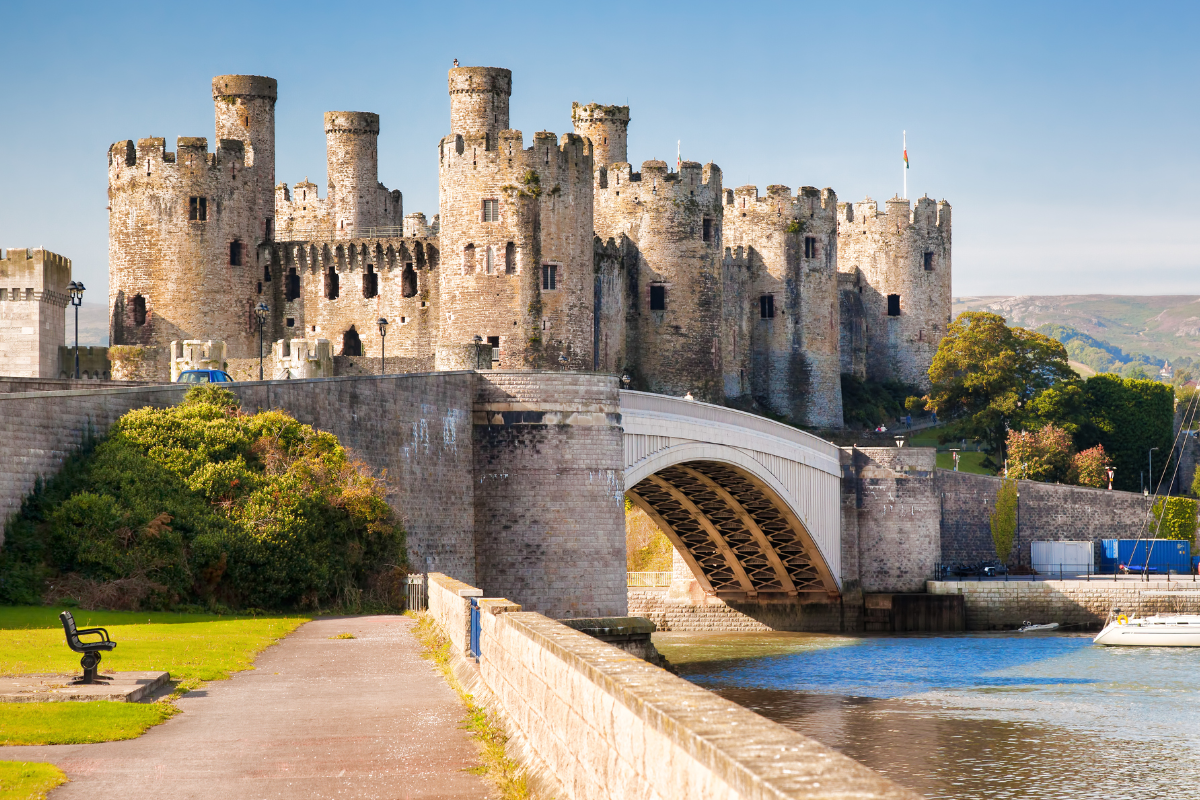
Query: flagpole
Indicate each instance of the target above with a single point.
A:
(904, 134)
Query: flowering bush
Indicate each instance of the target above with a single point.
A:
(201, 503)
(1089, 468)
(1042, 455)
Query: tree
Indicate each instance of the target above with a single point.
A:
(1042, 455)
(1175, 518)
(985, 373)
(1004, 520)
(1090, 468)
(1128, 417)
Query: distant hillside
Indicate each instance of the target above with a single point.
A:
(93, 324)
(1159, 327)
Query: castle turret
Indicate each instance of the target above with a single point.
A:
(245, 111)
(607, 127)
(479, 101)
(515, 234)
(356, 197)
(902, 267)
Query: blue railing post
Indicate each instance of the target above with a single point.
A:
(475, 628)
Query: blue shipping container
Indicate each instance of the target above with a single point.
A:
(1166, 555)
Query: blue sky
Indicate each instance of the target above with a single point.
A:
(1064, 135)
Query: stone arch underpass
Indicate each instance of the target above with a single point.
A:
(753, 506)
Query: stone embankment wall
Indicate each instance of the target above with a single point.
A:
(1000, 605)
(1046, 512)
(696, 612)
(587, 720)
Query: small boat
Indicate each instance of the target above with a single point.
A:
(1027, 626)
(1169, 630)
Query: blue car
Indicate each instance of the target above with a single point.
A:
(204, 376)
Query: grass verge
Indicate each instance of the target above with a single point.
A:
(22, 780)
(484, 727)
(194, 648)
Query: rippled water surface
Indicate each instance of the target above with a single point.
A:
(973, 716)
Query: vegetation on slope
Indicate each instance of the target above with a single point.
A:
(202, 504)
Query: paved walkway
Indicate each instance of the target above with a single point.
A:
(317, 718)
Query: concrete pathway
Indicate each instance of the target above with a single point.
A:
(316, 718)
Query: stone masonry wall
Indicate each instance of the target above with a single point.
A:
(549, 492)
(1000, 605)
(1046, 512)
(33, 294)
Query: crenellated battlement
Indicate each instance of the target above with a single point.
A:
(150, 157)
(619, 184)
(568, 157)
(780, 206)
(899, 214)
(353, 122)
(384, 253)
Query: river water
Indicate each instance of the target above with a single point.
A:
(967, 716)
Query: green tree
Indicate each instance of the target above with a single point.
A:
(1175, 518)
(985, 373)
(1004, 520)
(1041, 455)
(1128, 417)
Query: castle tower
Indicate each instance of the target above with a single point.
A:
(515, 234)
(669, 225)
(479, 101)
(901, 259)
(781, 302)
(356, 196)
(607, 127)
(33, 294)
(245, 110)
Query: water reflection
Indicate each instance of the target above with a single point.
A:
(973, 716)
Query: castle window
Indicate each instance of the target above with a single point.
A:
(408, 281)
(468, 259)
(290, 322)
(929, 261)
(491, 210)
(139, 310)
(235, 254)
(658, 298)
(708, 229)
(331, 284)
(197, 209)
(260, 287)
(370, 282)
(810, 247)
(510, 258)
(494, 341)
(893, 305)
(490, 260)
(766, 306)
(292, 291)
(549, 277)
(351, 344)
(269, 229)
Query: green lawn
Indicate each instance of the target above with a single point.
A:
(20, 780)
(192, 647)
(969, 460)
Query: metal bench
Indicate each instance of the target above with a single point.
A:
(91, 650)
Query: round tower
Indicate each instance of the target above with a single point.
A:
(479, 101)
(245, 110)
(352, 149)
(607, 127)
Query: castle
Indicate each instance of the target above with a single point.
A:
(556, 255)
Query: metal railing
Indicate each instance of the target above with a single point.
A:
(415, 597)
(322, 234)
(994, 571)
(649, 580)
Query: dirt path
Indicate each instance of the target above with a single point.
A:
(317, 718)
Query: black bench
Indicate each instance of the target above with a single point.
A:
(91, 650)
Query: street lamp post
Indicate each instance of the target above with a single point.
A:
(261, 310)
(76, 290)
(382, 323)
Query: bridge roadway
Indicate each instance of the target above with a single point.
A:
(752, 505)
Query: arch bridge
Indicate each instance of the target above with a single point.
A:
(752, 505)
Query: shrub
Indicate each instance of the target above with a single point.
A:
(1004, 520)
(1175, 518)
(202, 503)
(1090, 468)
(1042, 455)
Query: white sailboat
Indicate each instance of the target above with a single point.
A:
(1161, 630)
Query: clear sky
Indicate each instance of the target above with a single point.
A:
(1063, 134)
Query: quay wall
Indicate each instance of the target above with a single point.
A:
(587, 720)
(1000, 605)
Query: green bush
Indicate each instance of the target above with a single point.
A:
(869, 403)
(1004, 520)
(1175, 518)
(201, 503)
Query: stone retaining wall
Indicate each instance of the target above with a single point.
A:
(692, 611)
(587, 720)
(1000, 605)
(450, 606)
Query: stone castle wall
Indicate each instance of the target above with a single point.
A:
(33, 294)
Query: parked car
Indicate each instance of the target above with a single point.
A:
(204, 376)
